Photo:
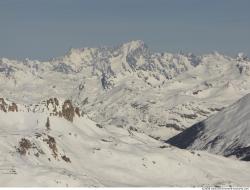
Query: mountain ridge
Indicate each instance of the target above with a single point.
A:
(225, 133)
(129, 86)
(85, 118)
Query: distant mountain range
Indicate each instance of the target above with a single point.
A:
(160, 94)
(89, 116)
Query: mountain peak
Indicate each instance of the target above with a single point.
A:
(134, 44)
(241, 57)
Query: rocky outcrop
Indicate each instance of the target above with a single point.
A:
(24, 146)
(6, 106)
(13, 107)
(3, 105)
(68, 111)
(64, 109)
(52, 106)
(52, 145)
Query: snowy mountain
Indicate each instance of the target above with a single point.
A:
(226, 133)
(160, 94)
(85, 118)
(42, 150)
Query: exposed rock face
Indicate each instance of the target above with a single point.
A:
(53, 103)
(5, 106)
(65, 158)
(52, 145)
(52, 106)
(24, 146)
(13, 107)
(68, 111)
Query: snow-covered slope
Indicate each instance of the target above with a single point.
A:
(226, 133)
(96, 117)
(41, 150)
(160, 94)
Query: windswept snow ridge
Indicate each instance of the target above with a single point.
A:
(226, 133)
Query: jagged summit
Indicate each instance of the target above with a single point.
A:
(134, 44)
(241, 57)
(130, 86)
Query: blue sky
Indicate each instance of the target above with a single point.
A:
(41, 29)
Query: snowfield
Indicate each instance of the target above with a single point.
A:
(160, 94)
(102, 157)
(101, 117)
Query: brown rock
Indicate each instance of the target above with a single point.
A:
(3, 105)
(13, 107)
(68, 111)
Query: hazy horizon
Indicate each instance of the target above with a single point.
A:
(45, 29)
